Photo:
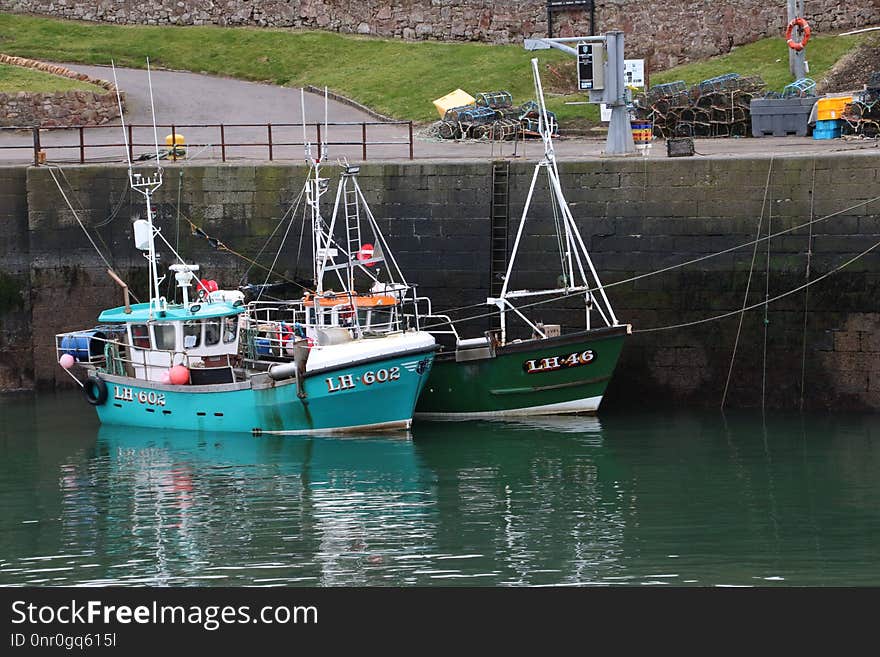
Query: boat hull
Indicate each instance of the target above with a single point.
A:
(378, 394)
(565, 374)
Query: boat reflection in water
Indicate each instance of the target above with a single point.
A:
(642, 499)
(537, 499)
(196, 507)
(461, 503)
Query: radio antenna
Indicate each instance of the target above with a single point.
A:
(153, 110)
(306, 143)
(121, 116)
(326, 132)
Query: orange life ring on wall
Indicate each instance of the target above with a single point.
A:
(805, 27)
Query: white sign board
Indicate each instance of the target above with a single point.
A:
(605, 112)
(634, 72)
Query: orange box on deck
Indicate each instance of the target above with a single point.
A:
(829, 109)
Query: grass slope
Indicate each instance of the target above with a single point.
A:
(394, 77)
(16, 78)
(767, 58)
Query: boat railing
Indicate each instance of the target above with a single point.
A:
(272, 319)
(443, 329)
(111, 356)
(269, 339)
(287, 311)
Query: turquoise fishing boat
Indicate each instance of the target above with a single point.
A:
(359, 297)
(207, 362)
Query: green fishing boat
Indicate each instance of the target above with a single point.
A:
(526, 367)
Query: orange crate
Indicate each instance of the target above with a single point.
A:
(830, 109)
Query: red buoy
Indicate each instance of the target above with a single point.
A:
(179, 375)
(366, 253)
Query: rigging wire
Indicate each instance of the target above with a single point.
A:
(646, 275)
(748, 285)
(766, 307)
(761, 303)
(697, 322)
(83, 210)
(290, 210)
(807, 291)
(220, 246)
(277, 255)
(554, 204)
(81, 225)
(699, 259)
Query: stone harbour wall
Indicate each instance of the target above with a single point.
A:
(62, 108)
(16, 346)
(637, 216)
(665, 33)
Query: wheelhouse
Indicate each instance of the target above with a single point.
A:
(203, 337)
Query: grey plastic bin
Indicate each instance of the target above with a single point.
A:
(779, 117)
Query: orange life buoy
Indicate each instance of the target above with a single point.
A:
(805, 27)
(346, 312)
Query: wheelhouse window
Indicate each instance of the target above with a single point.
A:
(164, 336)
(230, 329)
(192, 334)
(140, 336)
(381, 319)
(212, 332)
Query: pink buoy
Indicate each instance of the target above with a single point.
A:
(165, 378)
(179, 375)
(66, 361)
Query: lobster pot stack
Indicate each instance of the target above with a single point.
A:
(491, 115)
(717, 107)
(861, 117)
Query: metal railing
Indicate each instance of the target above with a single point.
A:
(275, 141)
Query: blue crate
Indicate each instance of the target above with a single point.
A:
(828, 129)
(826, 133)
(830, 124)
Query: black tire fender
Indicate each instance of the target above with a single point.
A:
(95, 390)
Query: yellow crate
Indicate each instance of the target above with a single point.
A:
(457, 98)
(829, 109)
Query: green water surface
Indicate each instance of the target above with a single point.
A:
(674, 499)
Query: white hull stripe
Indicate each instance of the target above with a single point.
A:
(397, 425)
(587, 405)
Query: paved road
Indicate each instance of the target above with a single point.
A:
(187, 99)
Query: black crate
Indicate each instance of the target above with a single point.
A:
(679, 147)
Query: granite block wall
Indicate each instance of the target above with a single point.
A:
(665, 33)
(637, 216)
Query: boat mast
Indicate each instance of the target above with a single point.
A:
(575, 255)
(145, 185)
(316, 187)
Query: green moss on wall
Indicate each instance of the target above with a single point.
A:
(10, 293)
